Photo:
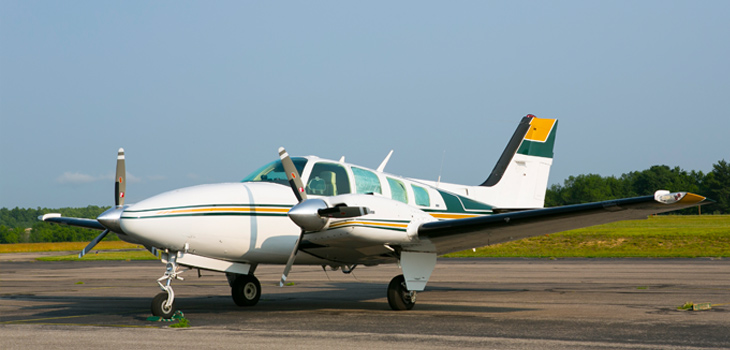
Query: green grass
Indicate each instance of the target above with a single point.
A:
(181, 323)
(687, 306)
(657, 237)
(102, 255)
(62, 246)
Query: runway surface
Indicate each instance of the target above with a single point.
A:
(469, 303)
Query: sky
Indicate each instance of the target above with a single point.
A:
(205, 92)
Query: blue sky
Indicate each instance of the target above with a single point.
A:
(202, 92)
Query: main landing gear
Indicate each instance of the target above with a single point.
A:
(399, 297)
(245, 290)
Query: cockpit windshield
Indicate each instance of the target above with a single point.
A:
(274, 172)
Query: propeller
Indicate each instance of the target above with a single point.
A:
(120, 183)
(292, 175)
(309, 214)
(110, 218)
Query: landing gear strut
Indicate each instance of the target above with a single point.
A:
(246, 290)
(163, 305)
(399, 297)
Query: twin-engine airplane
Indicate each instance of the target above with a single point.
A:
(312, 211)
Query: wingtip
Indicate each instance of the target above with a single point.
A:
(49, 215)
(685, 198)
(691, 198)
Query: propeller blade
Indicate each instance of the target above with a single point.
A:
(93, 243)
(343, 211)
(120, 183)
(292, 175)
(290, 262)
(298, 187)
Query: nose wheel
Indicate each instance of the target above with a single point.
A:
(161, 308)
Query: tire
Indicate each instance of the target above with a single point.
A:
(158, 306)
(246, 290)
(400, 298)
(231, 277)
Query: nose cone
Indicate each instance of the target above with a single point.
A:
(111, 219)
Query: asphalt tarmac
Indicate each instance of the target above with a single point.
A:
(468, 303)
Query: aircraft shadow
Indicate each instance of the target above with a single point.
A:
(331, 298)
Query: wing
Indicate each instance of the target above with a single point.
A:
(79, 222)
(455, 235)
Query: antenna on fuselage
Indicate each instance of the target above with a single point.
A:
(438, 182)
(385, 161)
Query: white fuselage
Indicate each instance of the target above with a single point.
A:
(247, 222)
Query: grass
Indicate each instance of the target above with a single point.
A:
(181, 323)
(62, 246)
(102, 255)
(100, 252)
(656, 237)
(687, 306)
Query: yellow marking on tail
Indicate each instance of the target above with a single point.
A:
(540, 129)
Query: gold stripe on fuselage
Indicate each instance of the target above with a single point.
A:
(222, 209)
(454, 216)
(369, 223)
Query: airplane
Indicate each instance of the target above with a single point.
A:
(312, 211)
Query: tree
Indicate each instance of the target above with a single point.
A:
(594, 188)
(717, 187)
(9, 235)
(586, 188)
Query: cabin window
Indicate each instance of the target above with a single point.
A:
(274, 172)
(328, 179)
(398, 190)
(421, 196)
(366, 181)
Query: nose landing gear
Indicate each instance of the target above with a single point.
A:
(163, 305)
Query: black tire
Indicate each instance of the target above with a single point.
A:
(231, 277)
(246, 290)
(400, 298)
(158, 306)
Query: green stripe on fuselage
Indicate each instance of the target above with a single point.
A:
(462, 205)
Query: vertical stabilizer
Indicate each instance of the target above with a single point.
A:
(519, 179)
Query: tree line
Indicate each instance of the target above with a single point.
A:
(22, 225)
(592, 187)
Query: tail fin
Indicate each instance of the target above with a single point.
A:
(519, 180)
